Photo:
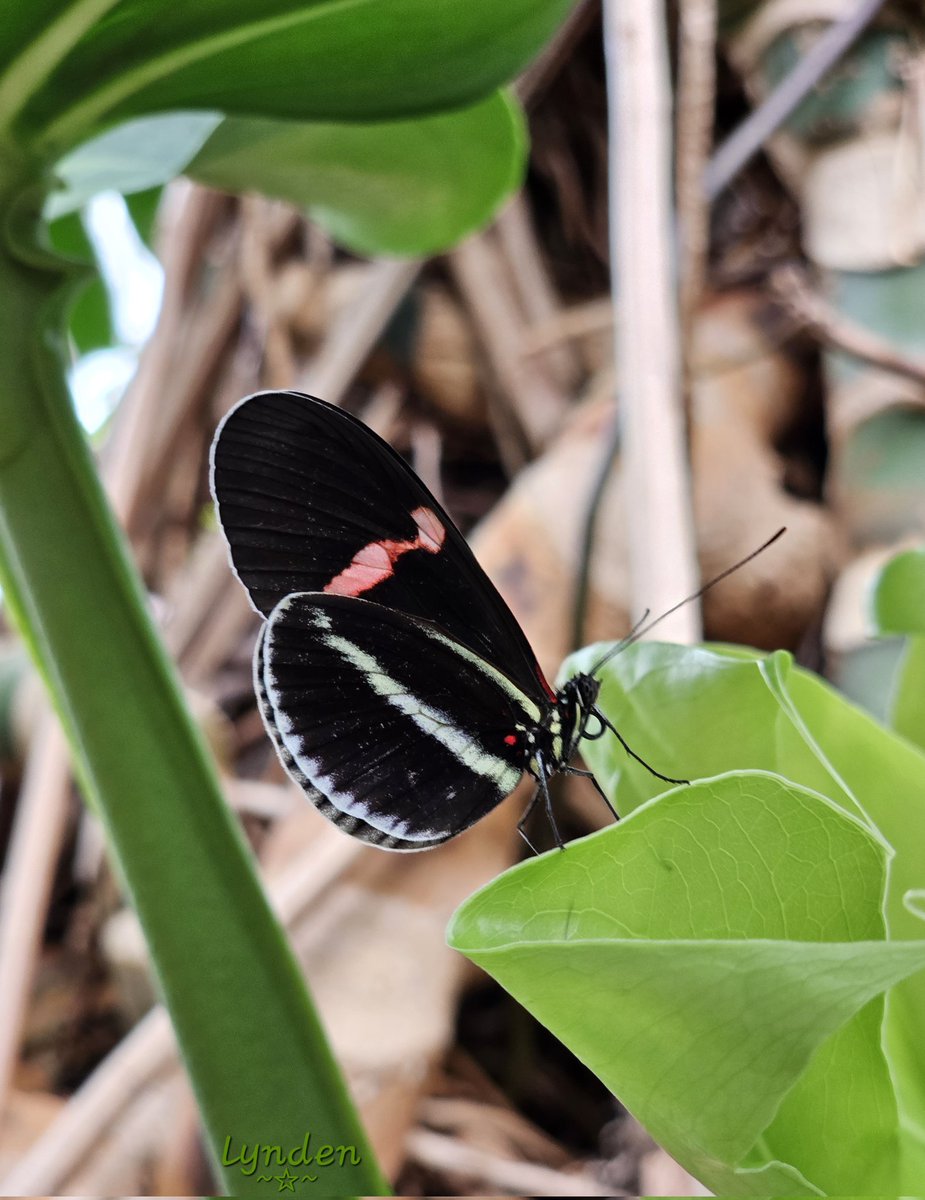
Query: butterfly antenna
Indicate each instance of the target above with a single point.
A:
(640, 630)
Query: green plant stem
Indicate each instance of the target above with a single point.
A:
(249, 1034)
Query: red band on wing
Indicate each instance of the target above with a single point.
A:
(376, 561)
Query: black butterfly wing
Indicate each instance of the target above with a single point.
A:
(408, 736)
(311, 500)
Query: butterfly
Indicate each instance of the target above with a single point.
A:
(400, 692)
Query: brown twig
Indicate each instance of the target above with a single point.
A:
(578, 321)
(794, 293)
(535, 291)
(257, 277)
(357, 330)
(27, 878)
(447, 1154)
(539, 406)
(695, 105)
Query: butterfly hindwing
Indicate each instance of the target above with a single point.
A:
(375, 709)
(311, 500)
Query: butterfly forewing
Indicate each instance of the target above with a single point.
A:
(310, 500)
(369, 705)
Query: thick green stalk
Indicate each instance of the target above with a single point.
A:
(250, 1037)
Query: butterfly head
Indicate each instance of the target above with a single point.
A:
(581, 692)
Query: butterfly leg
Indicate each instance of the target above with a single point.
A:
(521, 824)
(600, 791)
(632, 753)
(543, 781)
(542, 791)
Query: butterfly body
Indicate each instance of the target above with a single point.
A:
(398, 688)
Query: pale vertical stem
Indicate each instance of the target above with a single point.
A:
(654, 461)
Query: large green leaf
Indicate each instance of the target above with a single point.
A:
(388, 187)
(398, 187)
(321, 59)
(718, 960)
(699, 712)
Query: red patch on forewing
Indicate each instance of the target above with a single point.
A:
(511, 739)
(376, 561)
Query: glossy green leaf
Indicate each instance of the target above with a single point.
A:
(318, 60)
(716, 957)
(393, 187)
(699, 712)
(398, 187)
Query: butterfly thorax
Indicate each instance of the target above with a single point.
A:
(575, 703)
(551, 744)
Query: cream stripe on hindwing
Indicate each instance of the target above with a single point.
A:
(498, 677)
(428, 719)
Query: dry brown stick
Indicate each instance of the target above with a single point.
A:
(578, 321)
(695, 107)
(447, 1154)
(257, 276)
(359, 327)
(540, 407)
(175, 390)
(535, 290)
(197, 597)
(661, 543)
(427, 455)
(184, 220)
(794, 292)
(38, 832)
(211, 327)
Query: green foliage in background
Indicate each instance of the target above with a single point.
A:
(899, 607)
(740, 959)
(70, 73)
